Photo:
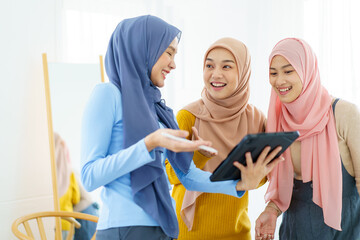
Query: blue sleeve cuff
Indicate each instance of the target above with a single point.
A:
(198, 180)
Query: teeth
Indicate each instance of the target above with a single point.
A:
(218, 84)
(284, 89)
(163, 72)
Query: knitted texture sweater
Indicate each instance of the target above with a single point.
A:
(217, 216)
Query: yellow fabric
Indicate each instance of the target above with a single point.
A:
(69, 199)
(217, 216)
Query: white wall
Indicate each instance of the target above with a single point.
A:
(27, 28)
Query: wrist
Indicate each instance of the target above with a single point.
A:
(271, 207)
(150, 142)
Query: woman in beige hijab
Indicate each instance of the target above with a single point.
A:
(222, 116)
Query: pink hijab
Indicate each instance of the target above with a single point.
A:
(311, 114)
(63, 165)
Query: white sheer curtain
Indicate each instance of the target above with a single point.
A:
(333, 29)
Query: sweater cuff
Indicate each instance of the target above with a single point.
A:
(200, 160)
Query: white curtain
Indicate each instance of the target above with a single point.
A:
(333, 29)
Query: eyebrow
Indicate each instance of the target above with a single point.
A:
(209, 59)
(285, 66)
(172, 48)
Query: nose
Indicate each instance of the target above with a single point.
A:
(172, 64)
(280, 80)
(216, 74)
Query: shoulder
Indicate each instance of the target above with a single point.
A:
(104, 100)
(185, 120)
(257, 111)
(106, 89)
(196, 108)
(346, 111)
(185, 114)
(347, 118)
(106, 94)
(257, 116)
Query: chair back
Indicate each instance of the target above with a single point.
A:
(33, 224)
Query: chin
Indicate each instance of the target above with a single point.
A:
(160, 85)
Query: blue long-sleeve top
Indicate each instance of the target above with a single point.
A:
(105, 162)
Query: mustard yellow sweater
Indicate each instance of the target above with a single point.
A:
(69, 199)
(217, 216)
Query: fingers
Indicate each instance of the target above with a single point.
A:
(263, 154)
(239, 166)
(274, 163)
(271, 155)
(249, 161)
(177, 133)
(196, 133)
(257, 229)
(261, 236)
(174, 140)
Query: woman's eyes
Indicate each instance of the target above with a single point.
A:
(286, 72)
(170, 54)
(211, 66)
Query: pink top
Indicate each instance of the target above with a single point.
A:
(311, 114)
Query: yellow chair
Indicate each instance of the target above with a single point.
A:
(29, 219)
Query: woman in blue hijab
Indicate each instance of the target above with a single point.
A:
(123, 149)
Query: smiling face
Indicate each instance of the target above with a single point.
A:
(164, 64)
(220, 73)
(284, 79)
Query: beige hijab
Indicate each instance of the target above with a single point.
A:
(224, 122)
(63, 166)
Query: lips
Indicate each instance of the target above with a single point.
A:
(284, 90)
(164, 73)
(218, 84)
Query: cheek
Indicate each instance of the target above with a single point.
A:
(234, 79)
(272, 81)
(206, 77)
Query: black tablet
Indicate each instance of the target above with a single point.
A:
(253, 143)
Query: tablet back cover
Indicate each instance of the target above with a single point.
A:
(253, 143)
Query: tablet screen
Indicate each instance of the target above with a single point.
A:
(253, 143)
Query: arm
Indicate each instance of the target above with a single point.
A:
(102, 113)
(103, 157)
(348, 127)
(198, 180)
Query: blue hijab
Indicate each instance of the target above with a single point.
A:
(133, 50)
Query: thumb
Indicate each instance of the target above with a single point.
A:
(196, 133)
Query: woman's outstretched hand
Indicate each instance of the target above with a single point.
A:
(253, 173)
(203, 152)
(157, 139)
(265, 224)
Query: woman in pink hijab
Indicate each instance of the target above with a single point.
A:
(317, 186)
